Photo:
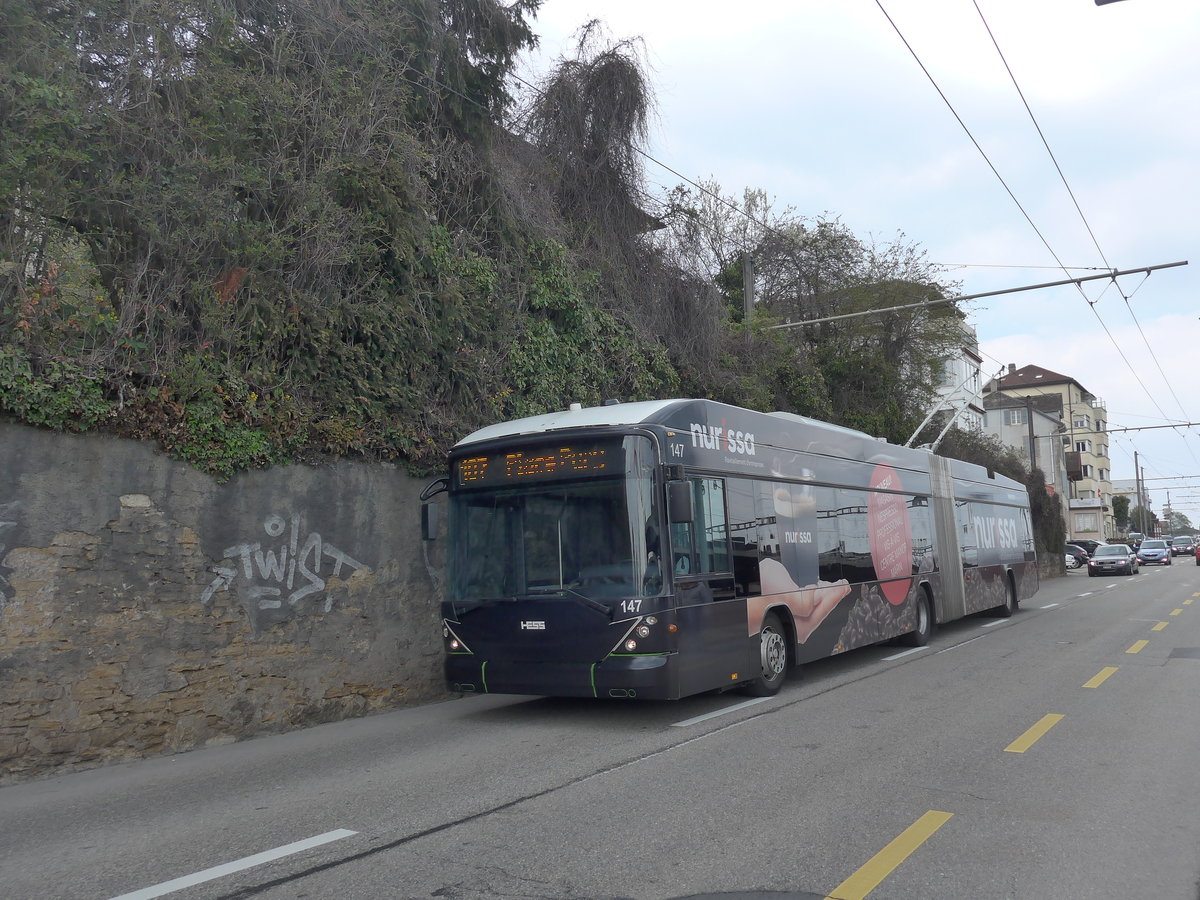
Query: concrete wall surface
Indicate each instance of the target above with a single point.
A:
(147, 609)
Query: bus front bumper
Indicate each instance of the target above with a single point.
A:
(648, 677)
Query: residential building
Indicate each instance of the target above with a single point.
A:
(960, 388)
(1085, 442)
(1034, 426)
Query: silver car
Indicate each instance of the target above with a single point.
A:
(1115, 558)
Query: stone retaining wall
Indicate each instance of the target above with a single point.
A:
(146, 609)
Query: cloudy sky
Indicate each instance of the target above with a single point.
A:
(821, 104)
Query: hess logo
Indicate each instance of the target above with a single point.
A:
(533, 625)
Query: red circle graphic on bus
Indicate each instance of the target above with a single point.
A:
(890, 534)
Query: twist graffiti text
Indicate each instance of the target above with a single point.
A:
(296, 569)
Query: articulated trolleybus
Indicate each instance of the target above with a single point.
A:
(659, 549)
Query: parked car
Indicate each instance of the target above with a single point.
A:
(1088, 544)
(1118, 558)
(1136, 538)
(1154, 550)
(1077, 557)
(1198, 554)
(1183, 545)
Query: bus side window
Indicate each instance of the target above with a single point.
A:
(922, 535)
(855, 549)
(714, 533)
(828, 536)
(743, 535)
(769, 538)
(702, 545)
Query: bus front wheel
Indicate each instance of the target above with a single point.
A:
(773, 658)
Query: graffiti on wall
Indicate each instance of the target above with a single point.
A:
(272, 580)
(8, 522)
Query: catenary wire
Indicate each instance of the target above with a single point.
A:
(1091, 303)
(1087, 225)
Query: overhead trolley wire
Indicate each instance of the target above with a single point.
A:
(1091, 303)
(1042, 135)
(1062, 176)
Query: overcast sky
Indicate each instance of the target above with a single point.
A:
(822, 105)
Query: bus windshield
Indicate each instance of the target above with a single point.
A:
(589, 538)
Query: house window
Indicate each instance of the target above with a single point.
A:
(1015, 417)
(1083, 446)
(1088, 471)
(1082, 420)
(1085, 523)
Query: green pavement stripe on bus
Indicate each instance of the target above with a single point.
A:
(483, 675)
(593, 670)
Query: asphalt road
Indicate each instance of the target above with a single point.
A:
(1051, 755)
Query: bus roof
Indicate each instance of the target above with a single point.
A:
(757, 434)
(575, 417)
(636, 413)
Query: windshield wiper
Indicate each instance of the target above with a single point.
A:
(479, 603)
(563, 589)
(532, 594)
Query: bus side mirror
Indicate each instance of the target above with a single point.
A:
(429, 521)
(679, 501)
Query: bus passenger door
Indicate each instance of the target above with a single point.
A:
(712, 637)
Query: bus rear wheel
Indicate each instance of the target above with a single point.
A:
(1009, 606)
(920, 635)
(773, 658)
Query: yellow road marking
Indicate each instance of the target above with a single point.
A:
(1190, 602)
(1176, 612)
(1137, 646)
(883, 863)
(1100, 677)
(1160, 626)
(1034, 734)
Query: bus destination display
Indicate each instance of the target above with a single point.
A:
(542, 463)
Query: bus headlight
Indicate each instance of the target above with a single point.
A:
(643, 631)
(631, 645)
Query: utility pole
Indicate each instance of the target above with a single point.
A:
(1032, 440)
(747, 292)
(1137, 487)
(1147, 519)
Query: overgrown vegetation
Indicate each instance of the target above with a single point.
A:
(260, 232)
